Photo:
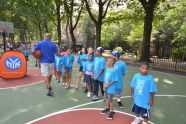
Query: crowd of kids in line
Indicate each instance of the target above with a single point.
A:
(108, 75)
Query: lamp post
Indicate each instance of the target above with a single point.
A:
(4, 40)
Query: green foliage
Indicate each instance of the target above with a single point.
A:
(179, 53)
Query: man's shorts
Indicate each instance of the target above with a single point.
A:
(81, 69)
(145, 113)
(118, 92)
(88, 79)
(47, 69)
(108, 97)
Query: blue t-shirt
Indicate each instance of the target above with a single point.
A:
(48, 50)
(26, 52)
(82, 59)
(88, 66)
(68, 61)
(143, 86)
(58, 62)
(110, 76)
(99, 64)
(122, 70)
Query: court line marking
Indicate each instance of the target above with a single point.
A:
(72, 110)
(22, 85)
(160, 71)
(85, 104)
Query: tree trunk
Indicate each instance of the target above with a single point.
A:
(67, 33)
(46, 26)
(58, 24)
(40, 31)
(145, 52)
(98, 34)
(73, 39)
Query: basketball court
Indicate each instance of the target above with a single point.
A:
(25, 101)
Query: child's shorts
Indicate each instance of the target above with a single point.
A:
(108, 97)
(145, 113)
(118, 92)
(68, 70)
(81, 69)
(88, 79)
(63, 72)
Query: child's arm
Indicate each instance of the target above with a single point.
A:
(108, 85)
(151, 98)
(99, 74)
(132, 92)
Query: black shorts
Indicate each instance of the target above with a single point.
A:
(81, 69)
(88, 79)
(145, 113)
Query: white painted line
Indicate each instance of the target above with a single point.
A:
(162, 72)
(74, 107)
(72, 110)
(22, 85)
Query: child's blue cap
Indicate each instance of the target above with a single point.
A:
(100, 49)
(116, 53)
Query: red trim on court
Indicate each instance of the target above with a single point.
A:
(32, 76)
(85, 117)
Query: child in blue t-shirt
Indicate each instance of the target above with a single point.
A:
(58, 67)
(143, 88)
(81, 60)
(88, 71)
(98, 76)
(110, 85)
(68, 60)
(122, 71)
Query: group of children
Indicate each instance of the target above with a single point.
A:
(108, 75)
(63, 67)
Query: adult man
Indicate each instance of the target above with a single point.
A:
(48, 50)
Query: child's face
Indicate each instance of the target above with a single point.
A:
(69, 52)
(90, 57)
(98, 53)
(114, 57)
(143, 69)
(109, 63)
(83, 50)
(90, 50)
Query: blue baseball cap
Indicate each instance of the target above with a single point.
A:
(116, 53)
(100, 49)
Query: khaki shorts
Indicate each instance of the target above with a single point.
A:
(108, 97)
(47, 69)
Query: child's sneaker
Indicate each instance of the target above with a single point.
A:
(144, 122)
(136, 121)
(95, 98)
(62, 83)
(111, 115)
(89, 94)
(120, 104)
(67, 87)
(105, 111)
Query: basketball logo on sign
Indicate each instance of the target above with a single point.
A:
(13, 63)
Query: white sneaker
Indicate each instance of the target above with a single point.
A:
(144, 122)
(89, 94)
(136, 121)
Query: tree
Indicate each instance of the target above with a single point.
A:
(148, 6)
(101, 15)
(71, 8)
